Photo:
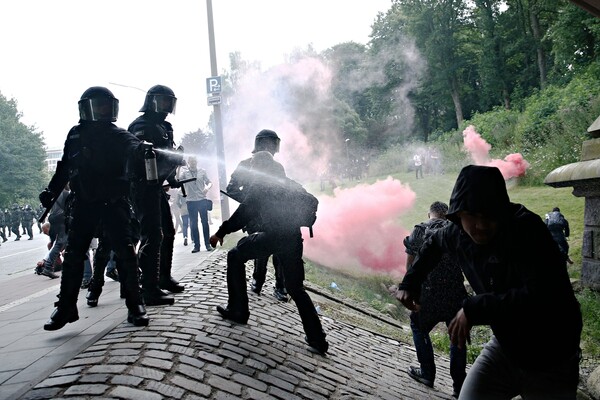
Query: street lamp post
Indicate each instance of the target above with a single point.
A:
(217, 113)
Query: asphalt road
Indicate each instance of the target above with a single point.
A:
(18, 282)
(19, 258)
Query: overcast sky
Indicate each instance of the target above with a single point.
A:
(53, 50)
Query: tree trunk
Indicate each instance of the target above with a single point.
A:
(537, 36)
(456, 100)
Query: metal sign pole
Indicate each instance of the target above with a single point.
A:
(218, 127)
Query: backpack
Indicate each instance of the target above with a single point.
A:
(290, 206)
(554, 218)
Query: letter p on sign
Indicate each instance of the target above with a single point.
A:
(213, 85)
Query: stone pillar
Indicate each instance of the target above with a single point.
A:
(584, 177)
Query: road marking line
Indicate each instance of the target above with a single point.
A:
(30, 297)
(21, 252)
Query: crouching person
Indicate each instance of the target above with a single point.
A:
(94, 161)
(275, 237)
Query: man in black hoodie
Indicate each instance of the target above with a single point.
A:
(522, 291)
(275, 237)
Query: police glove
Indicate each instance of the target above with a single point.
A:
(46, 198)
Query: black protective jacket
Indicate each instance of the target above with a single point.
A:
(151, 127)
(521, 283)
(94, 162)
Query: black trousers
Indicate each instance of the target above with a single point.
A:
(157, 233)
(260, 272)
(115, 217)
(15, 229)
(288, 248)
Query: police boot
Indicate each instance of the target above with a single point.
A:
(151, 292)
(137, 316)
(152, 295)
(136, 312)
(66, 306)
(94, 292)
(166, 281)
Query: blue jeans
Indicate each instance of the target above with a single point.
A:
(185, 225)
(494, 376)
(195, 208)
(59, 243)
(458, 357)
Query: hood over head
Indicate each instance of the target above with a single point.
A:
(479, 190)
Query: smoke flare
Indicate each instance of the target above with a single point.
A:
(358, 228)
(513, 165)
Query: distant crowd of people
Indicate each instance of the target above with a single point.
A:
(19, 220)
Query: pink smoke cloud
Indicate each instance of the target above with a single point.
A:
(358, 228)
(513, 165)
(263, 100)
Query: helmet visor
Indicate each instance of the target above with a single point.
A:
(99, 109)
(163, 104)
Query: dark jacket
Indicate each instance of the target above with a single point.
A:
(521, 283)
(94, 162)
(256, 197)
(443, 292)
(559, 229)
(240, 182)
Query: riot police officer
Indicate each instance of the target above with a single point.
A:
(157, 232)
(15, 221)
(94, 162)
(27, 217)
(265, 140)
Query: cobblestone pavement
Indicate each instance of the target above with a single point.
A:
(189, 352)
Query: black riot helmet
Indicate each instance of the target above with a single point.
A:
(98, 104)
(160, 99)
(266, 140)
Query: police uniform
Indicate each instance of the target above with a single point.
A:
(94, 162)
(27, 218)
(15, 221)
(157, 233)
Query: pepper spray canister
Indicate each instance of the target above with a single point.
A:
(151, 168)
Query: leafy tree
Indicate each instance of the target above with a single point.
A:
(575, 38)
(438, 28)
(199, 143)
(492, 62)
(22, 167)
